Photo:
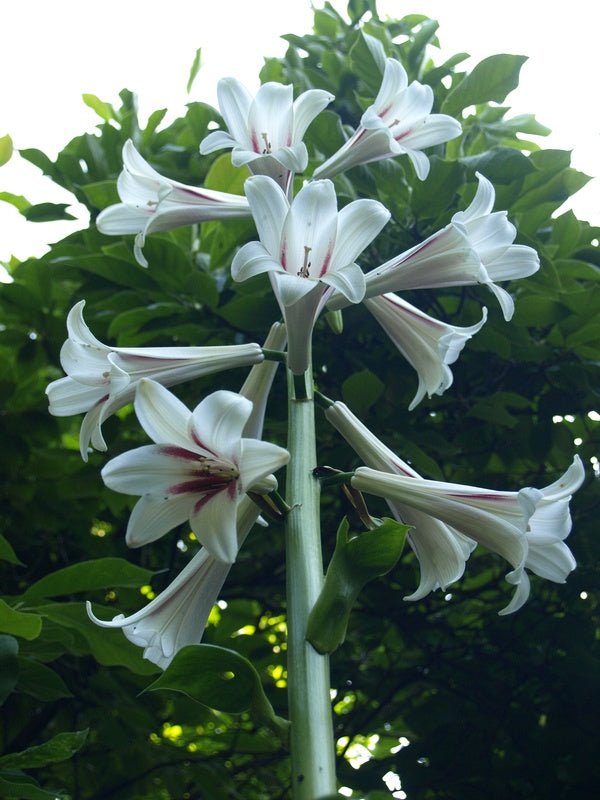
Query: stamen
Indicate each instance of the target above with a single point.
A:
(305, 271)
(265, 138)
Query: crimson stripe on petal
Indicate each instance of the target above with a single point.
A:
(205, 485)
(180, 452)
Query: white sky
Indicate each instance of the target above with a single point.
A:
(54, 51)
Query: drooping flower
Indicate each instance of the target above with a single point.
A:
(441, 551)
(476, 247)
(307, 246)
(527, 528)
(150, 202)
(177, 616)
(198, 470)
(399, 122)
(101, 379)
(265, 132)
(429, 345)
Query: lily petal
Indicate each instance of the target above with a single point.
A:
(155, 515)
(269, 206)
(161, 414)
(218, 421)
(213, 520)
(358, 224)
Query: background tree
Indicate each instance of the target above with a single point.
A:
(443, 693)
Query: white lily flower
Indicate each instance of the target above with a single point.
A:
(446, 258)
(151, 202)
(399, 122)
(428, 345)
(265, 132)
(441, 551)
(101, 379)
(177, 616)
(476, 247)
(497, 520)
(307, 246)
(198, 470)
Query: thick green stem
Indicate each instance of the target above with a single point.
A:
(313, 758)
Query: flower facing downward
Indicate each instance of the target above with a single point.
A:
(178, 615)
(399, 122)
(307, 246)
(265, 132)
(441, 551)
(151, 202)
(429, 345)
(101, 379)
(198, 470)
(527, 528)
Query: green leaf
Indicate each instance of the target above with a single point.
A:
(47, 212)
(17, 200)
(38, 159)
(22, 787)
(354, 563)
(19, 623)
(194, 69)
(87, 576)
(6, 149)
(367, 59)
(326, 23)
(362, 390)
(9, 665)
(101, 194)
(221, 679)
(224, 177)
(104, 110)
(109, 647)
(7, 553)
(57, 749)
(40, 681)
(491, 79)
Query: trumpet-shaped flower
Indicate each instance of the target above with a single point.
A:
(441, 551)
(151, 202)
(101, 379)
(198, 470)
(527, 528)
(265, 132)
(178, 615)
(399, 122)
(428, 345)
(307, 246)
(497, 520)
(476, 247)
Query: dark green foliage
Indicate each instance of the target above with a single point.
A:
(493, 707)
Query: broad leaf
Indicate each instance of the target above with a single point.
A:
(100, 573)
(61, 747)
(491, 80)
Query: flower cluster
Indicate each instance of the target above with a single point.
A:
(203, 463)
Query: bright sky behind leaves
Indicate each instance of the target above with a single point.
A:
(53, 52)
